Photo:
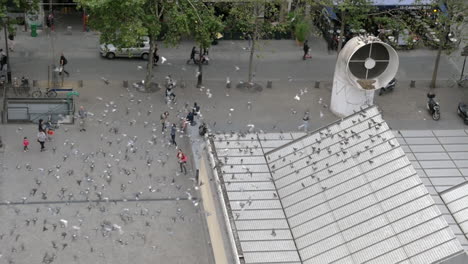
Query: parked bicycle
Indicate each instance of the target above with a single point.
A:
(48, 93)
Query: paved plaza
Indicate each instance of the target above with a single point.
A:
(114, 193)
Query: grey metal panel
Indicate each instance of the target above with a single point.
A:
(428, 241)
(395, 256)
(454, 140)
(259, 214)
(255, 205)
(461, 163)
(447, 249)
(376, 249)
(245, 160)
(458, 155)
(317, 235)
(421, 141)
(247, 177)
(325, 245)
(250, 186)
(416, 219)
(271, 257)
(262, 225)
(447, 181)
(442, 172)
(416, 133)
(432, 156)
(244, 168)
(450, 133)
(268, 246)
(456, 147)
(327, 257)
(264, 235)
(370, 239)
(251, 195)
(426, 148)
(437, 164)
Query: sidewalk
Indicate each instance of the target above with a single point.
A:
(275, 60)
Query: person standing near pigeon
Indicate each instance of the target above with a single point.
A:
(173, 134)
(164, 117)
(82, 114)
(305, 122)
(41, 138)
(182, 161)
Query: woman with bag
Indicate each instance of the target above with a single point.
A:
(182, 161)
(41, 138)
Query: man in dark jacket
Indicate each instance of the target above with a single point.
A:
(306, 49)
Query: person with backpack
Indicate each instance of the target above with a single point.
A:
(63, 62)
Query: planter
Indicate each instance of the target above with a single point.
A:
(299, 43)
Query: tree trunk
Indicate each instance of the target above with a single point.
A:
(149, 65)
(342, 29)
(436, 66)
(200, 69)
(252, 50)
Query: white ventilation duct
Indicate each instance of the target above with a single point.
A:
(365, 64)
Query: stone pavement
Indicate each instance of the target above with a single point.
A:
(99, 196)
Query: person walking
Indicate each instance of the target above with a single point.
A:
(41, 138)
(82, 114)
(155, 56)
(173, 134)
(41, 126)
(50, 21)
(164, 117)
(25, 144)
(3, 59)
(63, 62)
(182, 161)
(305, 122)
(196, 109)
(192, 55)
(306, 49)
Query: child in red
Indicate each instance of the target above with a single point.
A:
(25, 144)
(182, 161)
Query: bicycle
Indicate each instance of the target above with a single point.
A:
(48, 93)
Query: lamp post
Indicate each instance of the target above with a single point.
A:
(7, 50)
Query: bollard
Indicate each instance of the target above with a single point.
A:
(412, 84)
(125, 84)
(80, 83)
(269, 84)
(317, 85)
(34, 83)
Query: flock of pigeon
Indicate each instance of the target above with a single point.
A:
(115, 185)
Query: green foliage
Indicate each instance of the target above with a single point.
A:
(302, 31)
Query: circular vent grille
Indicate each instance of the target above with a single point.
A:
(370, 61)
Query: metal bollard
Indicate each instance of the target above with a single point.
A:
(412, 84)
(125, 84)
(269, 84)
